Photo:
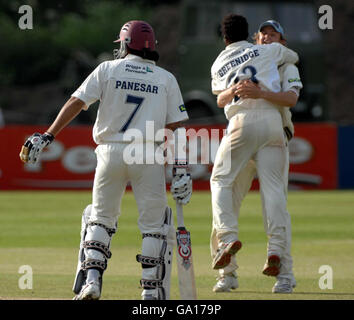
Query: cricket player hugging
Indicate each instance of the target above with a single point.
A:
(254, 136)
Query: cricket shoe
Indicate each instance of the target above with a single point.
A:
(284, 285)
(90, 291)
(272, 266)
(224, 253)
(226, 283)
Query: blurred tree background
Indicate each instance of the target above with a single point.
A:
(41, 67)
(339, 61)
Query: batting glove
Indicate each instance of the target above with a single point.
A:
(181, 186)
(34, 145)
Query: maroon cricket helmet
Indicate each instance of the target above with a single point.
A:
(137, 35)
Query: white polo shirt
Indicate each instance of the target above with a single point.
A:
(243, 60)
(134, 94)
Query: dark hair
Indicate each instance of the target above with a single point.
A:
(234, 28)
(145, 54)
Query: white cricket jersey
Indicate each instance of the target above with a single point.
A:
(135, 96)
(290, 81)
(243, 60)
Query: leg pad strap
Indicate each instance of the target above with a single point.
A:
(99, 246)
(150, 262)
(151, 284)
(110, 231)
(94, 264)
(154, 235)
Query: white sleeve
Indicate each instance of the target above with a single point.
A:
(91, 89)
(217, 86)
(290, 78)
(283, 54)
(176, 110)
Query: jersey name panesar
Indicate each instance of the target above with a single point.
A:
(136, 86)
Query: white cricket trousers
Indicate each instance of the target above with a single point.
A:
(113, 172)
(241, 187)
(251, 135)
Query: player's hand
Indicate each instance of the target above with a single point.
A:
(34, 145)
(247, 90)
(181, 186)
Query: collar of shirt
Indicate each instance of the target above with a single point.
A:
(137, 58)
(238, 44)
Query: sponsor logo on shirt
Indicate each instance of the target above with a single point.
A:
(291, 80)
(182, 108)
(129, 67)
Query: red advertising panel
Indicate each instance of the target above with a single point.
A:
(69, 162)
(314, 157)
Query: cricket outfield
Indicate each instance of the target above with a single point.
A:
(39, 242)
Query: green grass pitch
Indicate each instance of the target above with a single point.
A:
(41, 230)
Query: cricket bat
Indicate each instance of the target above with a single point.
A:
(185, 268)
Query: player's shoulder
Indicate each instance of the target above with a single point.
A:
(290, 73)
(271, 47)
(288, 68)
(169, 76)
(275, 44)
(163, 71)
(219, 60)
(108, 64)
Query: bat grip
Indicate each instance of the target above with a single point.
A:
(180, 220)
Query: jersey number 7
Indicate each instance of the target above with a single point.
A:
(138, 101)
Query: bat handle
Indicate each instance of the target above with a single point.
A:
(180, 219)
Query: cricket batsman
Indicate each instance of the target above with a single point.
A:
(133, 93)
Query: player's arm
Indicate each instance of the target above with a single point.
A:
(181, 185)
(175, 125)
(34, 145)
(86, 94)
(67, 113)
(219, 88)
(285, 99)
(283, 54)
(249, 90)
(226, 96)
